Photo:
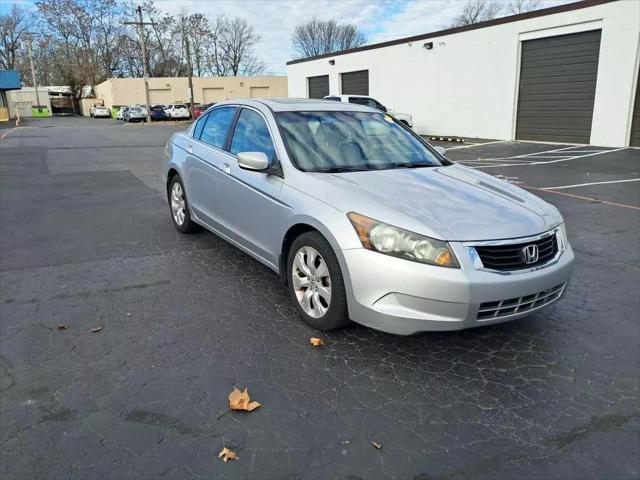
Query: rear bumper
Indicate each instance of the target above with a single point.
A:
(403, 297)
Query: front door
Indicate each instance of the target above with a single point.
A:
(250, 208)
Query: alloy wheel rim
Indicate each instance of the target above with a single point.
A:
(311, 282)
(178, 204)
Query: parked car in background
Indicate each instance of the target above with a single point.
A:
(405, 118)
(199, 110)
(121, 112)
(363, 219)
(99, 111)
(158, 113)
(135, 114)
(178, 111)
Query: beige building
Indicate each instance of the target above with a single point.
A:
(167, 90)
(24, 102)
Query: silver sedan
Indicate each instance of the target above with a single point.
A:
(363, 220)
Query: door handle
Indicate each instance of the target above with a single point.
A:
(190, 148)
(226, 168)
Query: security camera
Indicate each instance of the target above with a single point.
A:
(332, 62)
(428, 45)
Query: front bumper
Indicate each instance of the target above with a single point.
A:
(404, 297)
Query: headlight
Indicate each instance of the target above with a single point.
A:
(383, 238)
(564, 239)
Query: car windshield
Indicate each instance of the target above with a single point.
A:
(179, 106)
(336, 141)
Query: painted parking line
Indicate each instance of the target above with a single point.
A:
(538, 162)
(581, 197)
(479, 144)
(577, 185)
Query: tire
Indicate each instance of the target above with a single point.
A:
(187, 225)
(318, 313)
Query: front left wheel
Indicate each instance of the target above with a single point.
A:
(315, 282)
(180, 207)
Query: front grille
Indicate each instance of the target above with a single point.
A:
(512, 306)
(510, 257)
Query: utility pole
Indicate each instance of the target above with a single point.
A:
(185, 39)
(33, 70)
(143, 44)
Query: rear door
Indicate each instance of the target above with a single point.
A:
(249, 201)
(203, 161)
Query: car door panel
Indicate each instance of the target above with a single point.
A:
(251, 209)
(203, 160)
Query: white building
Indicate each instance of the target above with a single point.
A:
(565, 74)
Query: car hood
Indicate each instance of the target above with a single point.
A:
(452, 203)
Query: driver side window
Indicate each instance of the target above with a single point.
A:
(252, 135)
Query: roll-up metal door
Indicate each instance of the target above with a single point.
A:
(355, 83)
(318, 86)
(635, 122)
(557, 87)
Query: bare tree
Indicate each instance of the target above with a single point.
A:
(13, 26)
(521, 6)
(318, 37)
(237, 44)
(474, 11)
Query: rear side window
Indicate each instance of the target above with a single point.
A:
(197, 131)
(216, 126)
(252, 135)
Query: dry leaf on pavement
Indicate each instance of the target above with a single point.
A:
(240, 401)
(96, 329)
(227, 454)
(316, 342)
(377, 445)
(62, 327)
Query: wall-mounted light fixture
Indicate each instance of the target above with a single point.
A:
(332, 62)
(428, 46)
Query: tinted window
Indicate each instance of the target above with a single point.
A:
(251, 135)
(180, 106)
(217, 126)
(337, 99)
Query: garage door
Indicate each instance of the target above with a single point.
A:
(160, 95)
(259, 91)
(213, 95)
(635, 123)
(318, 86)
(557, 87)
(355, 83)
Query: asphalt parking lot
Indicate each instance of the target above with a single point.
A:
(86, 240)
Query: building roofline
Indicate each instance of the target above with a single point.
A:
(567, 7)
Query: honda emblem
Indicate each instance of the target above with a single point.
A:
(530, 254)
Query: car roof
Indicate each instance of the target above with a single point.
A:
(286, 104)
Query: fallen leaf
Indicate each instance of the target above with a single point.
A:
(96, 329)
(316, 342)
(62, 327)
(377, 445)
(240, 401)
(227, 454)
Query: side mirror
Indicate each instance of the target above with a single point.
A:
(257, 161)
(441, 150)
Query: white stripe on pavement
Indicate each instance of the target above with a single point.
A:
(591, 183)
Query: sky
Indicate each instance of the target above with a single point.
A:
(274, 20)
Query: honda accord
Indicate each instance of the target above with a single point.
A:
(363, 220)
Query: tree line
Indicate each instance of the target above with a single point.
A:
(84, 42)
